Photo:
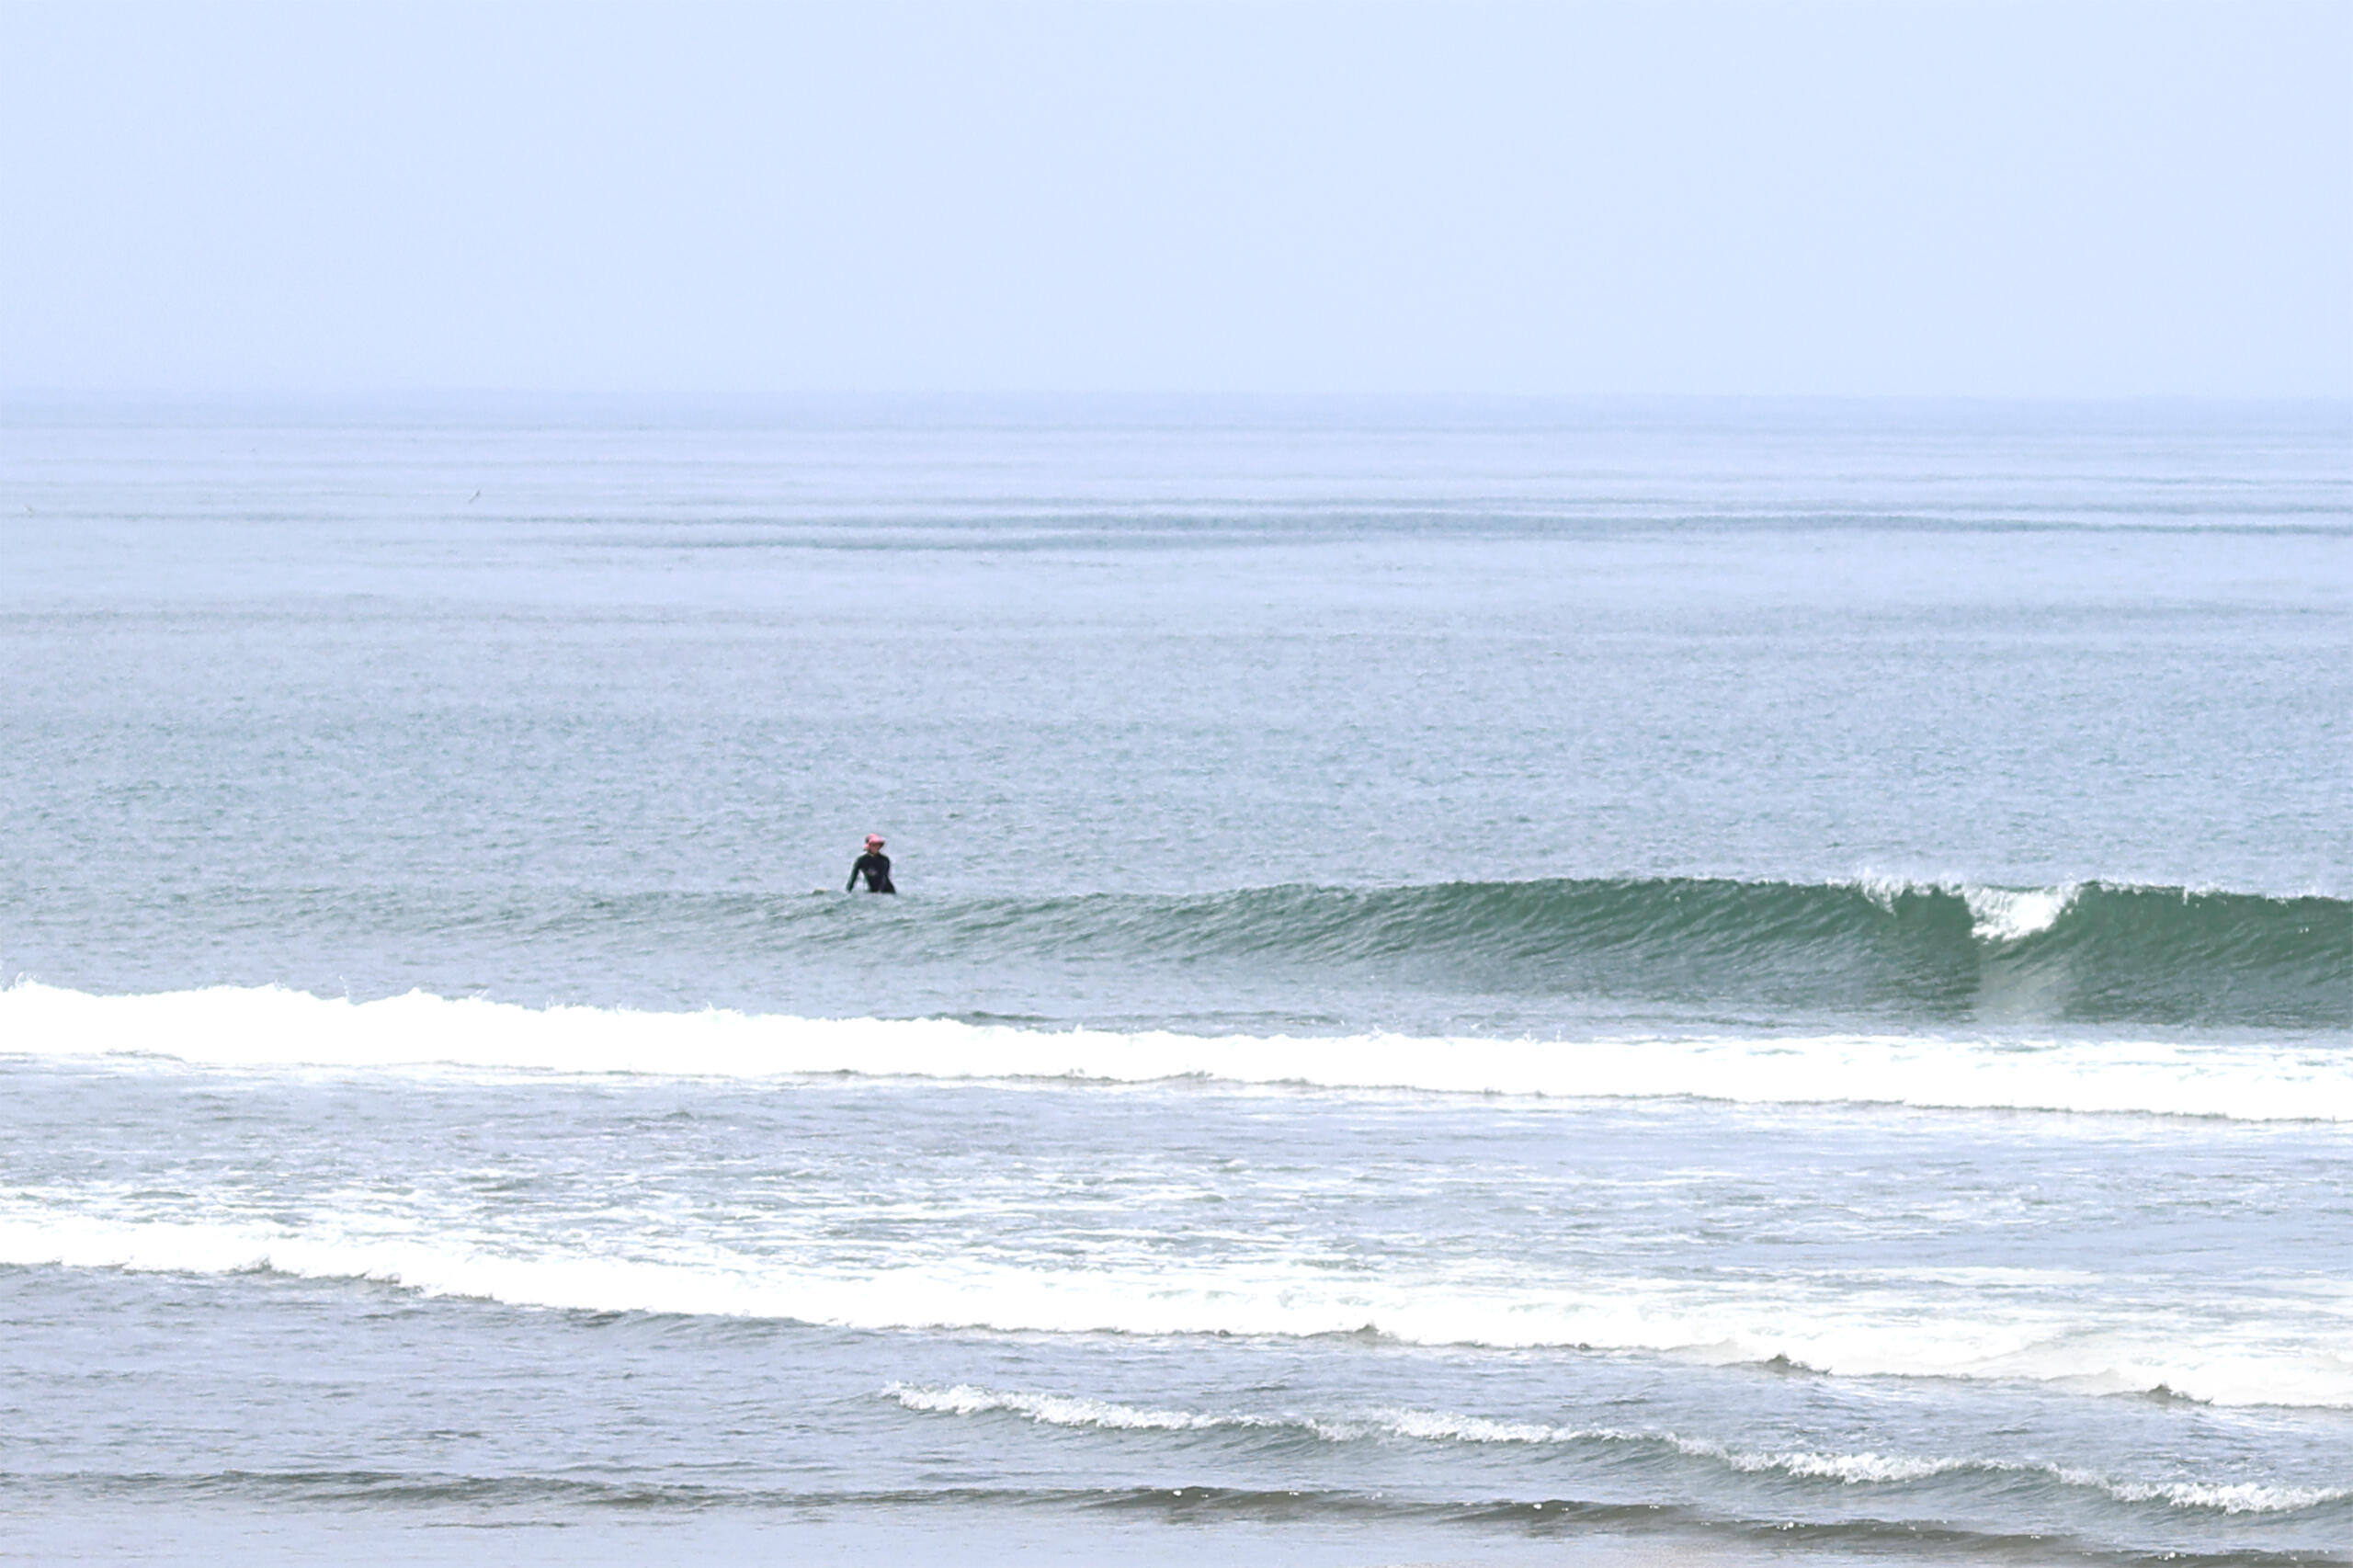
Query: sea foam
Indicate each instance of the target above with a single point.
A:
(266, 1028)
(2263, 1354)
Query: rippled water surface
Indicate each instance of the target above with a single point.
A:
(1572, 984)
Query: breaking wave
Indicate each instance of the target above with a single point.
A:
(1887, 949)
(2091, 951)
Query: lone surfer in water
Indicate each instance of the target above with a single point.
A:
(874, 865)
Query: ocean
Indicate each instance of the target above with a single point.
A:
(1472, 983)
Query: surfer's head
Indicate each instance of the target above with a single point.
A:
(874, 841)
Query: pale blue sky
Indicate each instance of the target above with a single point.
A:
(1981, 199)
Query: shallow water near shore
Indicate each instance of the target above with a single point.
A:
(1575, 984)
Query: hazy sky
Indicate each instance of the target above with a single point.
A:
(1754, 198)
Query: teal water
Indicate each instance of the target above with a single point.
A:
(1723, 970)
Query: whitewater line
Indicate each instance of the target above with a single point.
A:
(270, 1029)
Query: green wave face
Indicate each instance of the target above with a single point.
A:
(2094, 951)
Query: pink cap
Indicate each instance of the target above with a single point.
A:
(874, 841)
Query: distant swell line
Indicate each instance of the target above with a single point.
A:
(1436, 1427)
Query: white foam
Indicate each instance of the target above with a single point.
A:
(2010, 914)
(2273, 1352)
(268, 1029)
(1439, 1427)
(1058, 1410)
(1061, 1410)
(1996, 914)
(2236, 1497)
(1864, 1469)
(1852, 1470)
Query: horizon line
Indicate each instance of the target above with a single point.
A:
(1128, 401)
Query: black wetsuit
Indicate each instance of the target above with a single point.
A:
(876, 868)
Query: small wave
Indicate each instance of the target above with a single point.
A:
(1438, 1427)
(268, 1029)
(2232, 1497)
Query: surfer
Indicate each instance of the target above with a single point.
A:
(874, 865)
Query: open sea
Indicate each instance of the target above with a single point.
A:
(1583, 983)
